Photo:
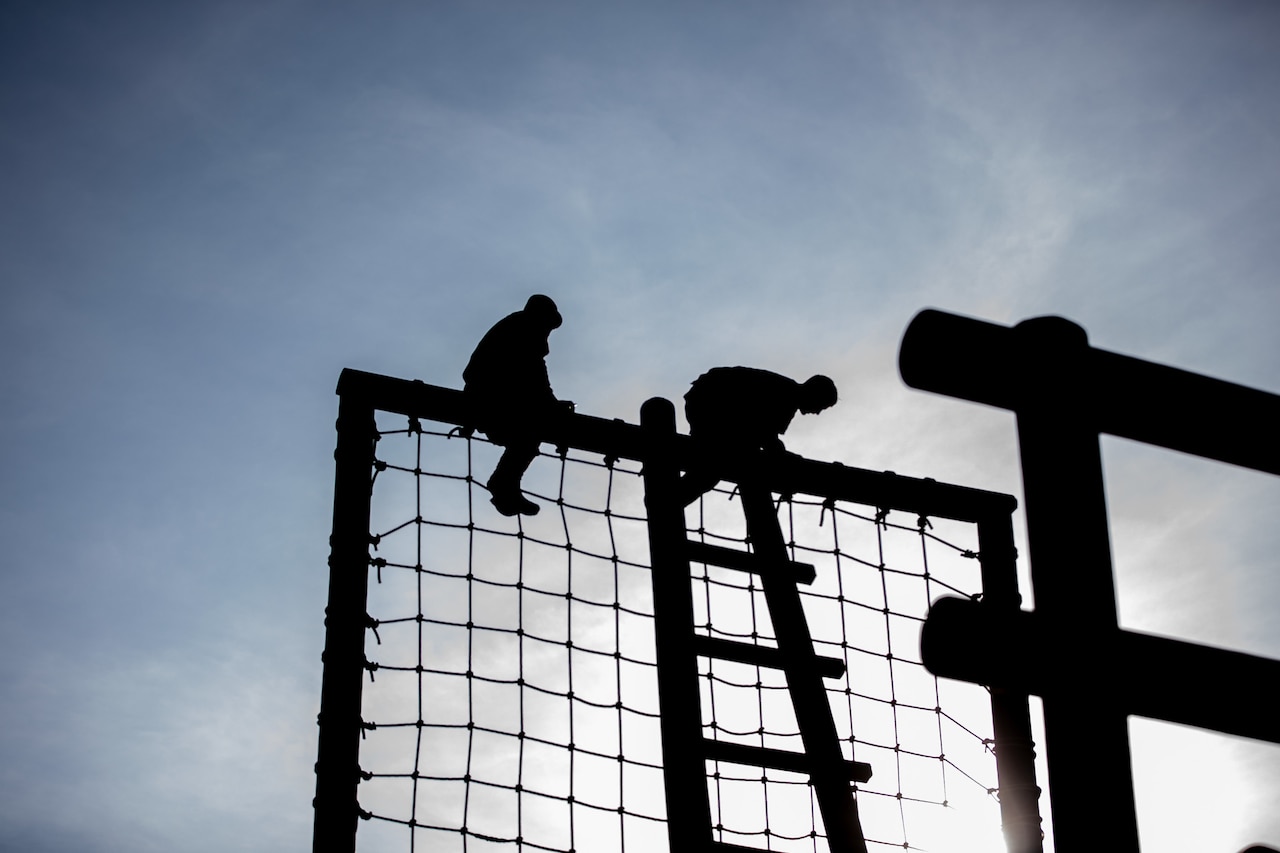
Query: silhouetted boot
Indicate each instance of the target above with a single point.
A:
(512, 503)
(504, 484)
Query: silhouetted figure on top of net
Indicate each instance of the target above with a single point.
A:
(736, 409)
(509, 395)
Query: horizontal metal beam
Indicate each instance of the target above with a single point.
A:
(725, 847)
(1123, 396)
(784, 473)
(1140, 674)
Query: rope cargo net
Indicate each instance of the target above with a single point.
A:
(511, 695)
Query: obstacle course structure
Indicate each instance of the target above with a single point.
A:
(622, 673)
(1070, 650)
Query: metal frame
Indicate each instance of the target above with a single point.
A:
(1070, 650)
(361, 394)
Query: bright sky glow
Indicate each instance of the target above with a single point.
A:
(210, 209)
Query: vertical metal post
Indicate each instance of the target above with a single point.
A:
(1010, 709)
(684, 765)
(338, 762)
(1086, 732)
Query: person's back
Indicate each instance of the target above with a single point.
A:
(508, 364)
(732, 409)
(745, 405)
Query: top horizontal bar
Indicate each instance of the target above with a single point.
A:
(786, 473)
(1006, 366)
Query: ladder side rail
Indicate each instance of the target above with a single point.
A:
(829, 770)
(679, 700)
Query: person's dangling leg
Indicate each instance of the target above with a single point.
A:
(714, 454)
(504, 483)
(694, 484)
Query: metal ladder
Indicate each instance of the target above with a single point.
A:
(686, 750)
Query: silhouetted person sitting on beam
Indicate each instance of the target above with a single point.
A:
(509, 395)
(735, 409)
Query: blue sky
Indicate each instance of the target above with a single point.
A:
(210, 209)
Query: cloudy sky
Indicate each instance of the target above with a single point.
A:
(210, 209)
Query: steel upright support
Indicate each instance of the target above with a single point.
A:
(1013, 744)
(338, 762)
(1070, 545)
(685, 771)
(1071, 650)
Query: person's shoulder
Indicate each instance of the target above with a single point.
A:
(515, 318)
(514, 326)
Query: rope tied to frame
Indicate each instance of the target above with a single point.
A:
(828, 505)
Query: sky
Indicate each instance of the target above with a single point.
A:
(210, 209)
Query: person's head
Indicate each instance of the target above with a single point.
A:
(544, 310)
(817, 393)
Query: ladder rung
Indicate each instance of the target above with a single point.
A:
(713, 647)
(778, 759)
(726, 847)
(745, 561)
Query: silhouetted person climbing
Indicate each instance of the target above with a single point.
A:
(735, 409)
(510, 398)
